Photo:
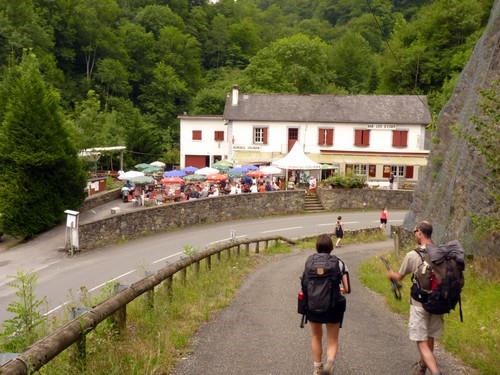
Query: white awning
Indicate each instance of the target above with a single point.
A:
(255, 157)
(370, 159)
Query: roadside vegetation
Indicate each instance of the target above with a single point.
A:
(475, 340)
(155, 338)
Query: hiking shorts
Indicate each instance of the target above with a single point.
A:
(336, 315)
(423, 325)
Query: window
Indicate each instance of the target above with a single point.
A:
(260, 135)
(359, 169)
(196, 135)
(218, 135)
(400, 138)
(398, 170)
(361, 137)
(325, 137)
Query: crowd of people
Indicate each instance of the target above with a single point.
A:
(199, 189)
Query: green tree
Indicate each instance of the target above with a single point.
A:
(26, 325)
(112, 77)
(297, 64)
(40, 173)
(352, 61)
(155, 17)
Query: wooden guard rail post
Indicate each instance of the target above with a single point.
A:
(74, 332)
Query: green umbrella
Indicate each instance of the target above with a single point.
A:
(222, 165)
(195, 177)
(236, 174)
(142, 166)
(142, 180)
(151, 169)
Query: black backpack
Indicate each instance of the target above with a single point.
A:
(439, 280)
(320, 284)
(338, 230)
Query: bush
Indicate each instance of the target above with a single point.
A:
(349, 181)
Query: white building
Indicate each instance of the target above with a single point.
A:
(371, 135)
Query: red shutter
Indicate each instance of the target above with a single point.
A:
(321, 137)
(358, 137)
(264, 136)
(366, 138)
(395, 138)
(404, 138)
(196, 135)
(218, 135)
(329, 137)
(386, 171)
(409, 171)
(372, 170)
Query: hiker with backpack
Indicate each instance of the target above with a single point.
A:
(437, 275)
(323, 282)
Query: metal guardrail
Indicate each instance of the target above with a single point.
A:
(74, 332)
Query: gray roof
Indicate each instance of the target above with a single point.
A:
(384, 109)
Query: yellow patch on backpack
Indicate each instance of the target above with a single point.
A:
(320, 271)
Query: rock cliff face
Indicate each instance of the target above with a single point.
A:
(452, 186)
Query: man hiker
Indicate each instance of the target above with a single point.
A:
(424, 327)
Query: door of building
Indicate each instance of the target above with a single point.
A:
(293, 136)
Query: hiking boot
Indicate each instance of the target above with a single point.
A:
(318, 370)
(418, 369)
(328, 370)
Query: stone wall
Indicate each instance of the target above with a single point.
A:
(202, 211)
(189, 213)
(364, 199)
(99, 199)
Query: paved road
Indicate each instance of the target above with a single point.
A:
(60, 277)
(259, 333)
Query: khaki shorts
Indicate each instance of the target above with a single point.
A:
(423, 325)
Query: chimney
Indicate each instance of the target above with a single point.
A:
(235, 95)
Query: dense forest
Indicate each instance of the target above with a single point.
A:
(77, 74)
(125, 69)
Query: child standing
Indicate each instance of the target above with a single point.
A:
(383, 218)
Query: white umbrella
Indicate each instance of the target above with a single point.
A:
(206, 171)
(270, 170)
(158, 164)
(128, 175)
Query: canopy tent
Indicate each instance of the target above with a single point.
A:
(296, 159)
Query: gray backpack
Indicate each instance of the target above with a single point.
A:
(439, 280)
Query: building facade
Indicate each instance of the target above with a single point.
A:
(369, 135)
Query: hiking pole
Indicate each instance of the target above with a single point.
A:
(395, 286)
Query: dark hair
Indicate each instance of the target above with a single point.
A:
(425, 228)
(339, 218)
(324, 244)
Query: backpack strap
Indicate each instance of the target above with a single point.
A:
(343, 272)
(460, 308)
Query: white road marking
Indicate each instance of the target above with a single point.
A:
(170, 256)
(332, 224)
(278, 230)
(103, 284)
(227, 239)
